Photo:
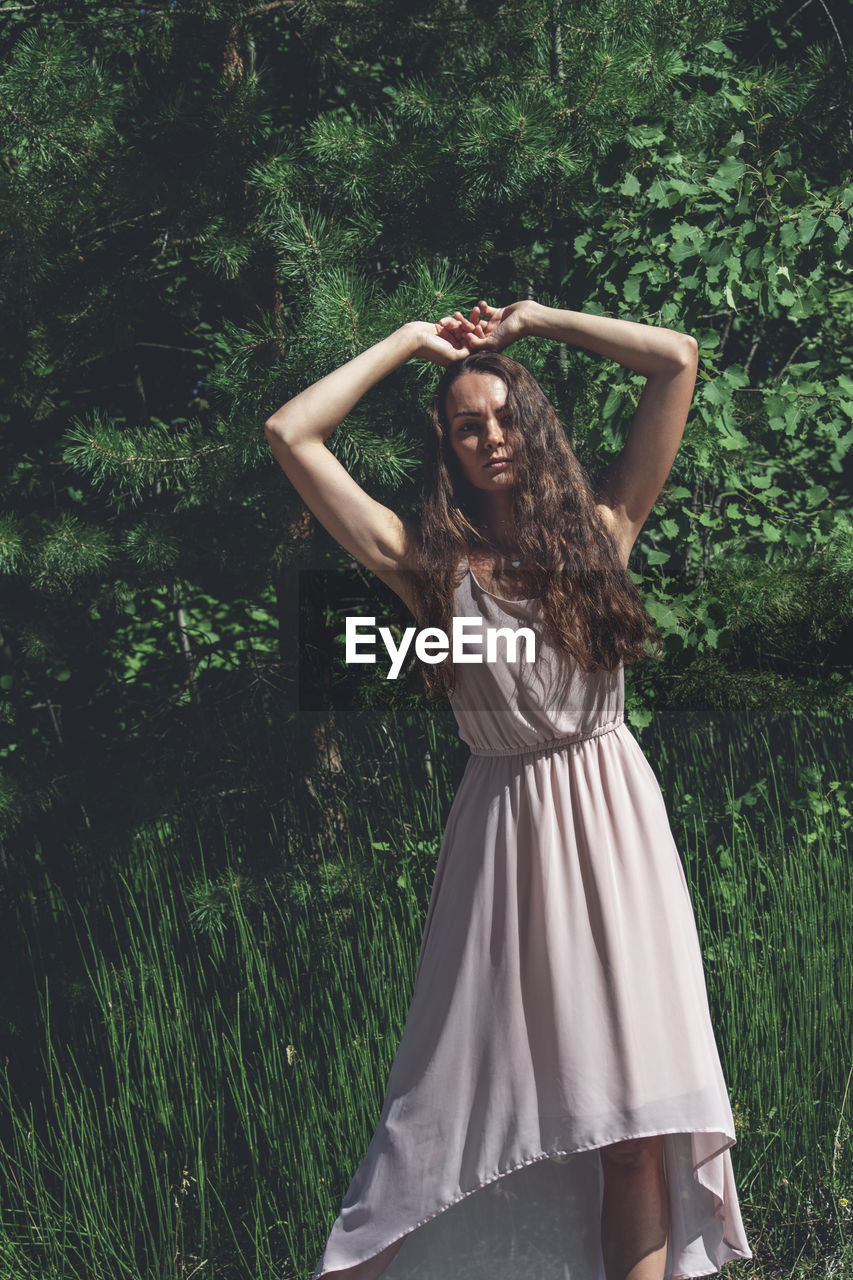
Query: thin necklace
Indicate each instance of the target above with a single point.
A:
(503, 554)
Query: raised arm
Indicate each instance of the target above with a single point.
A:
(630, 485)
(371, 532)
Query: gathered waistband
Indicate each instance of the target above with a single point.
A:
(550, 744)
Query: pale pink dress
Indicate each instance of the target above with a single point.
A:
(559, 1003)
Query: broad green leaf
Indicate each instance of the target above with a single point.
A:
(631, 290)
(806, 227)
(661, 614)
(716, 392)
(729, 173)
(612, 403)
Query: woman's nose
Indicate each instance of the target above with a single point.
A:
(494, 434)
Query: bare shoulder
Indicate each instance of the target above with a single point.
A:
(620, 529)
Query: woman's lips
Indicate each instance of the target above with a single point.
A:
(498, 464)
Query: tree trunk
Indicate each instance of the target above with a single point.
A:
(299, 606)
(559, 250)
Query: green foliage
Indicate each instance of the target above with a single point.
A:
(208, 207)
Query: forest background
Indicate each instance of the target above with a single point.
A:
(217, 841)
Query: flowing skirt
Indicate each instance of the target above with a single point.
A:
(559, 1005)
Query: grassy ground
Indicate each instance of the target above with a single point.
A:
(215, 1041)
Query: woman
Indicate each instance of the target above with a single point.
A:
(558, 1050)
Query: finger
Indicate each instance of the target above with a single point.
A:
(475, 316)
(450, 330)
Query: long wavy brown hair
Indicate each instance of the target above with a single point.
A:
(590, 607)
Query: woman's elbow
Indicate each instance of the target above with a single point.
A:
(277, 427)
(689, 350)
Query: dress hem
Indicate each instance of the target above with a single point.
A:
(736, 1254)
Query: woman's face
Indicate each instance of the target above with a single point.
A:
(475, 411)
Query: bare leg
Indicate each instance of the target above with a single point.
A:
(373, 1267)
(635, 1210)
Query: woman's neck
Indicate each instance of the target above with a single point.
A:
(497, 522)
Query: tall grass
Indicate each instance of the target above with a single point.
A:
(774, 907)
(201, 1109)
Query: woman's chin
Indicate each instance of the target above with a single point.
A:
(493, 479)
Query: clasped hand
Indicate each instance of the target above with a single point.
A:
(485, 329)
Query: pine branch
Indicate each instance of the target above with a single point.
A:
(265, 8)
(121, 458)
(71, 550)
